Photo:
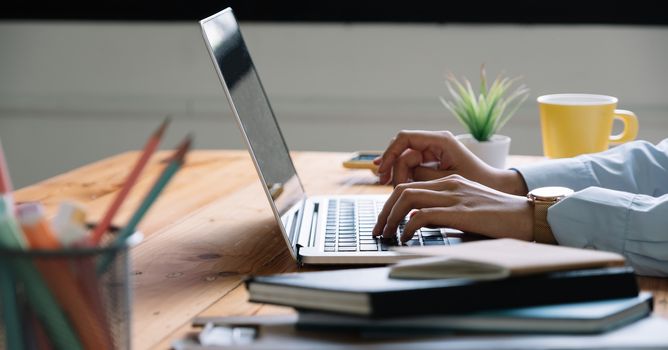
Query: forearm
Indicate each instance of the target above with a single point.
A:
(509, 181)
(631, 224)
(636, 167)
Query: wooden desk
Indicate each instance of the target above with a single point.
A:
(209, 228)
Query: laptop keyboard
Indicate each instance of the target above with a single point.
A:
(350, 222)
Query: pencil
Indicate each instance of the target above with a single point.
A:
(174, 164)
(5, 181)
(38, 294)
(70, 227)
(10, 313)
(63, 283)
(149, 149)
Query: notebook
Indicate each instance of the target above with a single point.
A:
(568, 318)
(316, 229)
(498, 258)
(372, 292)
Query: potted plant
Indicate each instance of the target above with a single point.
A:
(484, 113)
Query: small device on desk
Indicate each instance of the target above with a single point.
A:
(363, 160)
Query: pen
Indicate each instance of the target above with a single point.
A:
(149, 148)
(172, 167)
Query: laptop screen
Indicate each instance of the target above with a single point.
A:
(254, 113)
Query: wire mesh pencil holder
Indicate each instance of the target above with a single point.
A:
(66, 299)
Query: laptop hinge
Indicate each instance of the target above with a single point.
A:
(294, 226)
(313, 229)
(299, 257)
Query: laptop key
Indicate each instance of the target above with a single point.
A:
(368, 247)
(432, 238)
(454, 240)
(441, 242)
(347, 234)
(386, 243)
(431, 233)
(348, 249)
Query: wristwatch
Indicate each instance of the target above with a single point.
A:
(542, 198)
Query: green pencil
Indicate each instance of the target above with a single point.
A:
(38, 294)
(9, 309)
(175, 163)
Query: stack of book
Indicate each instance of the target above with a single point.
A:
(491, 286)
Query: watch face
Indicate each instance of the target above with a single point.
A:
(550, 193)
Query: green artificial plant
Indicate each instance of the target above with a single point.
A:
(484, 113)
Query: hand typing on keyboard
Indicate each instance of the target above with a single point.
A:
(427, 155)
(455, 202)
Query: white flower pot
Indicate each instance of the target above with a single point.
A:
(493, 152)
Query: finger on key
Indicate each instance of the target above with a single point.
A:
(422, 218)
(387, 207)
(410, 198)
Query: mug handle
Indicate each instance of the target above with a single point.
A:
(630, 127)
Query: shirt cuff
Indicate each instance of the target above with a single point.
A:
(593, 218)
(573, 173)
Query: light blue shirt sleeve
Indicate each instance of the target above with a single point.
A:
(620, 204)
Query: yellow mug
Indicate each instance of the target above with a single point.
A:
(574, 124)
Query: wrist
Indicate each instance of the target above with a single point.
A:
(542, 199)
(525, 226)
(510, 181)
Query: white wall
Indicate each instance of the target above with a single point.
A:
(74, 92)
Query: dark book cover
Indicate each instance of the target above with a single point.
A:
(387, 297)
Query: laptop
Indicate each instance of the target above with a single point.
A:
(320, 229)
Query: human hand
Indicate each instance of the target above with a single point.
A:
(457, 203)
(416, 155)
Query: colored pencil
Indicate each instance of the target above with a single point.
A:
(70, 227)
(40, 341)
(87, 321)
(10, 312)
(172, 167)
(5, 181)
(149, 149)
(38, 294)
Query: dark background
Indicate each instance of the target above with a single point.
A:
(416, 11)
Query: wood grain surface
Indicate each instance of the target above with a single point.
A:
(210, 228)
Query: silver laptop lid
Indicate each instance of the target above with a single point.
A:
(256, 119)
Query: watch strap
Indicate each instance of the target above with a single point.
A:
(541, 228)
